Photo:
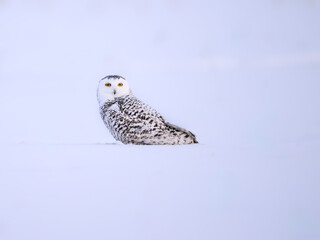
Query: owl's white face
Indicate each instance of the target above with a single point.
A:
(112, 87)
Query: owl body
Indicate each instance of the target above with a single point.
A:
(133, 122)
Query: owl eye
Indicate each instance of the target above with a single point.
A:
(108, 84)
(120, 84)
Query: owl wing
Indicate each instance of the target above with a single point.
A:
(113, 111)
(149, 117)
(131, 107)
(175, 127)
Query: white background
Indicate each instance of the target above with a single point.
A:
(244, 76)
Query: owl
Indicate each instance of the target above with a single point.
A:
(133, 122)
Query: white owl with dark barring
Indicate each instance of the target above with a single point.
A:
(133, 122)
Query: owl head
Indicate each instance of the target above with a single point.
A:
(111, 87)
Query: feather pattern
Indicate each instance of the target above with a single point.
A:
(134, 122)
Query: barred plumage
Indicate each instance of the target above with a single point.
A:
(132, 121)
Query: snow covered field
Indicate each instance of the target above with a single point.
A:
(243, 75)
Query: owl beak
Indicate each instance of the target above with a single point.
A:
(114, 92)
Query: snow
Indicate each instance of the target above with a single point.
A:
(242, 75)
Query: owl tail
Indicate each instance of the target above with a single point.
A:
(179, 129)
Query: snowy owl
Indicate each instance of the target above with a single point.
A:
(133, 122)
